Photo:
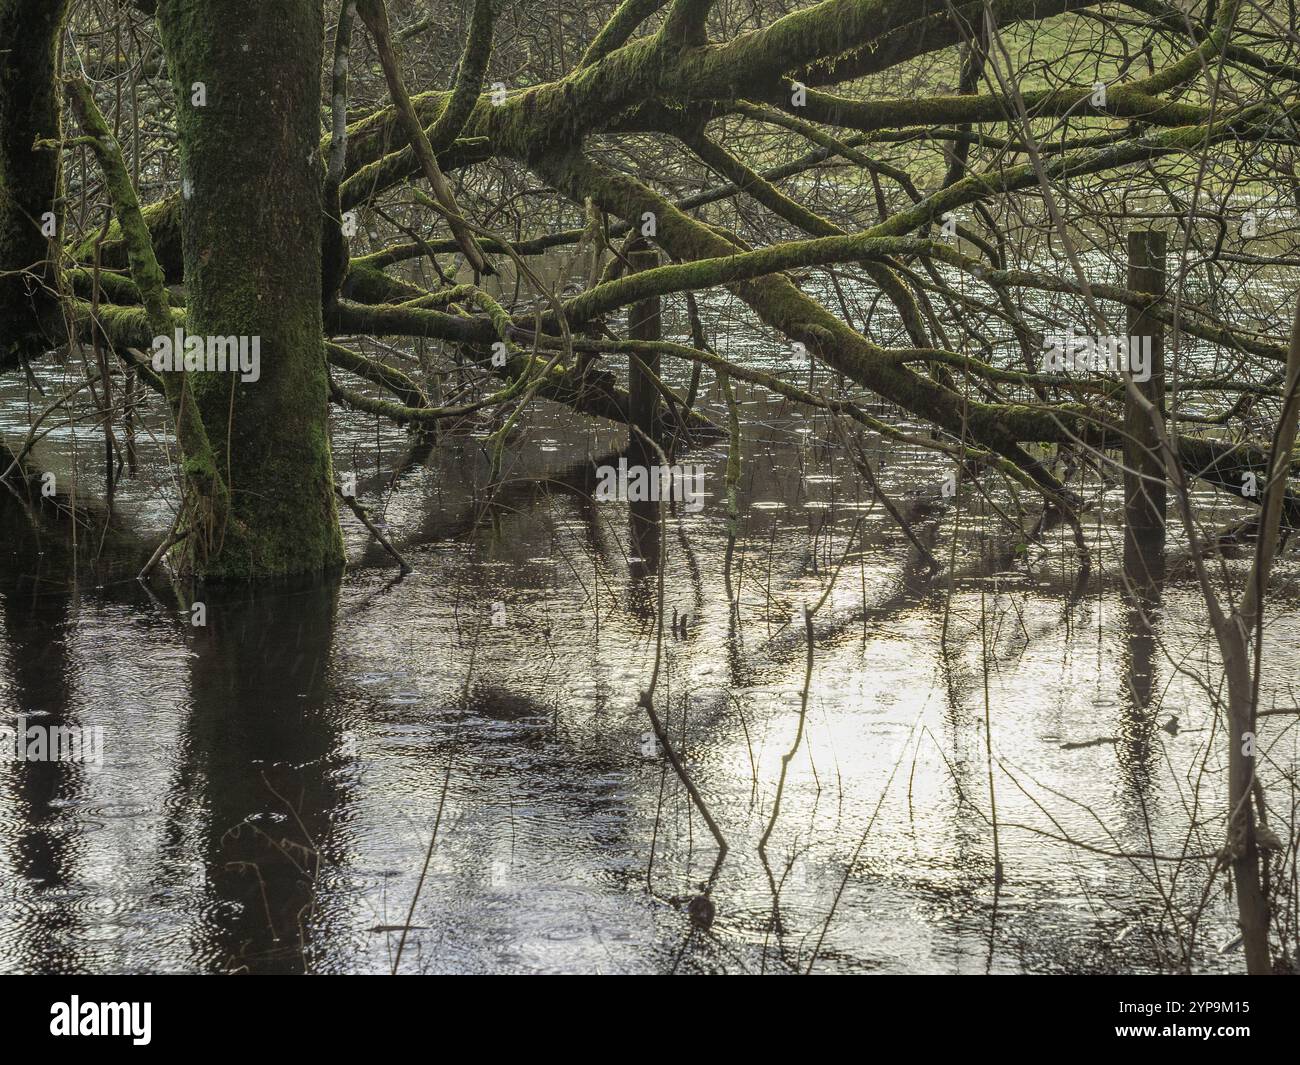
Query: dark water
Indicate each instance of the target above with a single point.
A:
(272, 779)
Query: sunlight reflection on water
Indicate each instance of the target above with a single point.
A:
(271, 781)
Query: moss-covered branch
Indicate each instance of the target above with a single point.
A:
(469, 79)
(199, 462)
(375, 15)
(621, 25)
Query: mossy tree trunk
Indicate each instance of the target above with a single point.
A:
(252, 178)
(29, 110)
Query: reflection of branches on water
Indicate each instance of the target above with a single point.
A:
(577, 482)
(301, 855)
(857, 850)
(1149, 865)
(646, 700)
(1005, 631)
(81, 522)
(809, 616)
(428, 856)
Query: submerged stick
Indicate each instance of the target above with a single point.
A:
(424, 872)
(646, 701)
(365, 520)
(859, 460)
(174, 538)
(733, 482)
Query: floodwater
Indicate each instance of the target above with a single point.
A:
(288, 785)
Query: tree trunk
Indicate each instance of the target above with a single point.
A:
(1145, 492)
(643, 323)
(29, 109)
(251, 234)
(1252, 903)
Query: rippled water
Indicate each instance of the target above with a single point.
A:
(272, 780)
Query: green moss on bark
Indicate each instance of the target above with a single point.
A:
(29, 110)
(251, 236)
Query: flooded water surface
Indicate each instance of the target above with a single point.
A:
(454, 766)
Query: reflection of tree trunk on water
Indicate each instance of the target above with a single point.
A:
(643, 323)
(644, 534)
(35, 658)
(1138, 725)
(259, 752)
(35, 621)
(1145, 494)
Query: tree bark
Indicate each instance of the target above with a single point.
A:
(252, 175)
(29, 110)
